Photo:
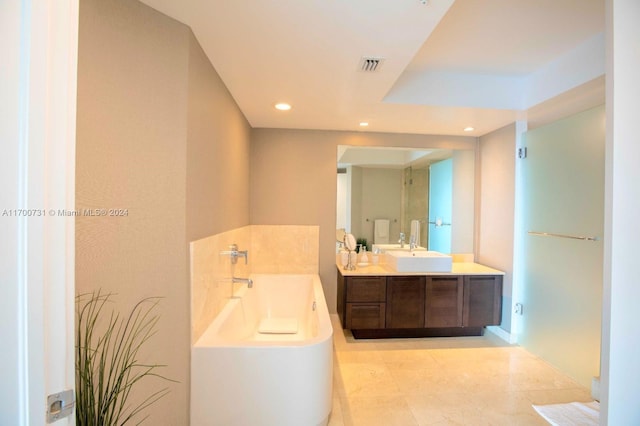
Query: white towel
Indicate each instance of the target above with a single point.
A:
(415, 231)
(381, 231)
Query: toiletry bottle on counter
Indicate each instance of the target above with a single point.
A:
(354, 257)
(364, 258)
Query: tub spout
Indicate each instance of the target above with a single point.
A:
(247, 281)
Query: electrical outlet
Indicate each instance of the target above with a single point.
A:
(522, 152)
(518, 309)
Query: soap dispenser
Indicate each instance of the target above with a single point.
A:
(364, 258)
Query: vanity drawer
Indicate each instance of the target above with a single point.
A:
(363, 316)
(366, 289)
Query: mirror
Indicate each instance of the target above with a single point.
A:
(383, 192)
(349, 242)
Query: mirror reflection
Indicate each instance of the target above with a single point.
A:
(392, 197)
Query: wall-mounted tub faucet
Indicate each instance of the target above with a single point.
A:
(235, 254)
(247, 281)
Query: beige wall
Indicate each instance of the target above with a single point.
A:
(155, 126)
(217, 153)
(293, 180)
(497, 206)
(463, 207)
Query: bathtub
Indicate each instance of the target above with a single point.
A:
(266, 359)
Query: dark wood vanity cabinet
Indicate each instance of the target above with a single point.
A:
(444, 299)
(362, 302)
(414, 305)
(482, 304)
(463, 301)
(365, 316)
(405, 302)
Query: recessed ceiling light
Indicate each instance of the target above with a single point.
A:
(363, 124)
(469, 129)
(283, 106)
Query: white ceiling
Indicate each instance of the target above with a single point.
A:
(388, 157)
(448, 64)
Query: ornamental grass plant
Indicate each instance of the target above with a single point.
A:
(108, 366)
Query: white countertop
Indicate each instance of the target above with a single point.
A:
(381, 269)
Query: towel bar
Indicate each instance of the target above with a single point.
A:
(572, 237)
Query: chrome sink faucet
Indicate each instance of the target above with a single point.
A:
(402, 240)
(412, 243)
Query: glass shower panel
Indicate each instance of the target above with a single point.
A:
(440, 205)
(415, 196)
(563, 189)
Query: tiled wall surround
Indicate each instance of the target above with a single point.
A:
(289, 249)
(211, 275)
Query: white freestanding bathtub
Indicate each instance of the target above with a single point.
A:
(266, 359)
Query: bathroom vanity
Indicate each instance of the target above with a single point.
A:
(377, 302)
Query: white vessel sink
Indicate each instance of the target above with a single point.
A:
(383, 248)
(418, 261)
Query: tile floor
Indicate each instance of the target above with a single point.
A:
(442, 381)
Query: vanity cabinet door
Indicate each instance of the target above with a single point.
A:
(482, 300)
(366, 289)
(444, 297)
(405, 302)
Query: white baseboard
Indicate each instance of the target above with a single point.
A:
(502, 333)
(595, 388)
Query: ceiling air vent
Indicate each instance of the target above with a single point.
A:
(371, 64)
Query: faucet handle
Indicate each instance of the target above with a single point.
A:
(234, 253)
